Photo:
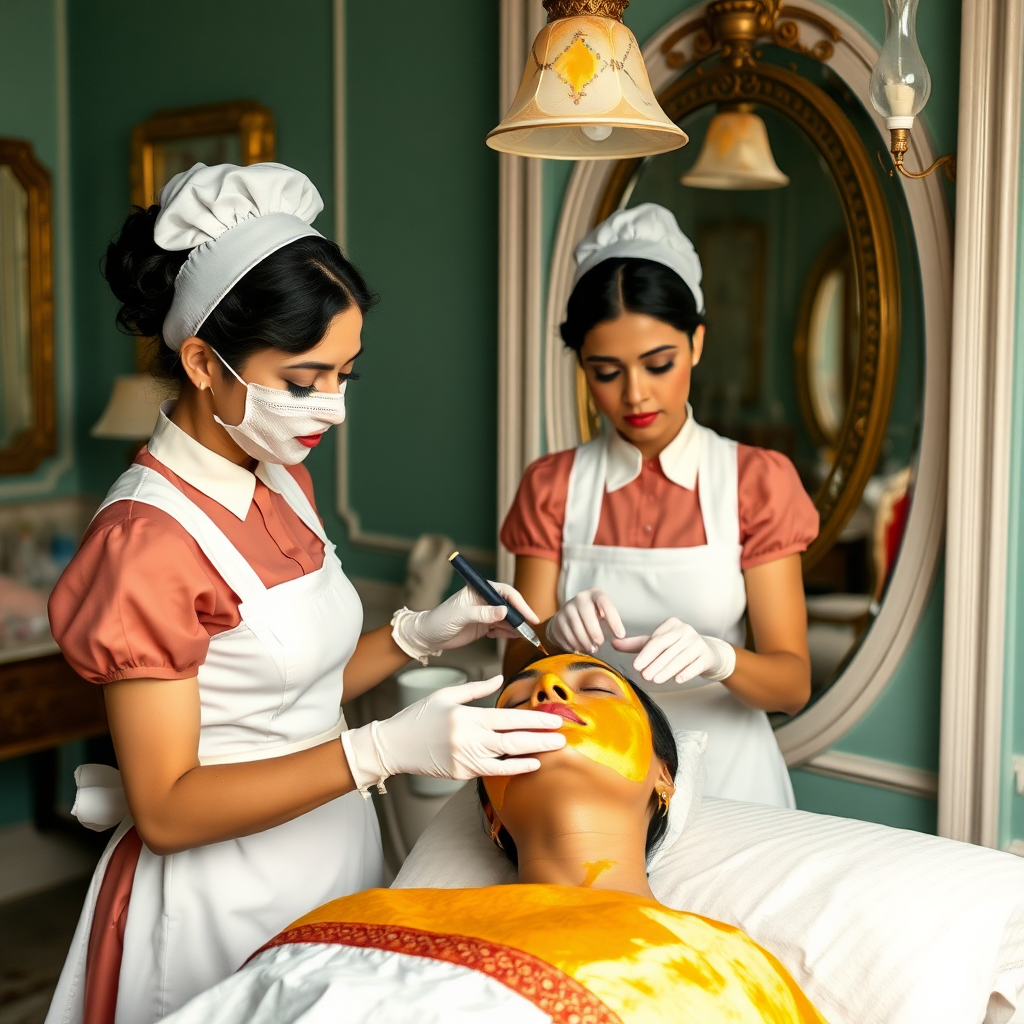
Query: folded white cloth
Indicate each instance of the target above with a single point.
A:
(100, 803)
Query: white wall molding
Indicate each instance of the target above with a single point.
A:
(53, 469)
(984, 307)
(520, 208)
(870, 771)
(347, 513)
(869, 672)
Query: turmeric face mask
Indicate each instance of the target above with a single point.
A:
(603, 718)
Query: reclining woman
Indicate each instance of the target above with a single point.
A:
(582, 938)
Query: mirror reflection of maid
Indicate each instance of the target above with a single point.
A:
(211, 606)
(655, 543)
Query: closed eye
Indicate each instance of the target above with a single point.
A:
(299, 391)
(663, 368)
(605, 376)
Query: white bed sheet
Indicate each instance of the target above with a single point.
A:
(878, 925)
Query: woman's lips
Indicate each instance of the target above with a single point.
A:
(563, 710)
(310, 440)
(641, 419)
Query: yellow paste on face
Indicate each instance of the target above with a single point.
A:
(615, 733)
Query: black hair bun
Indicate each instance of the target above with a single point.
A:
(141, 274)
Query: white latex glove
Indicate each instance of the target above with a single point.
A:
(676, 650)
(441, 737)
(463, 618)
(576, 626)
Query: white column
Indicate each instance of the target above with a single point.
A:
(984, 306)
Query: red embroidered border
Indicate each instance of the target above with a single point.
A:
(548, 988)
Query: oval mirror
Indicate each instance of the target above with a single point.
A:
(803, 348)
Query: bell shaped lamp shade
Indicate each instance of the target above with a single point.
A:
(736, 155)
(131, 412)
(585, 95)
(900, 83)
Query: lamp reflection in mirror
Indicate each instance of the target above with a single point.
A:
(585, 94)
(736, 154)
(132, 409)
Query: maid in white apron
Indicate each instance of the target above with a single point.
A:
(652, 544)
(244, 798)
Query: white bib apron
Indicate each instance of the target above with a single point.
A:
(270, 686)
(702, 586)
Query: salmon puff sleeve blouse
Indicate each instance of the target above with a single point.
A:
(653, 503)
(140, 600)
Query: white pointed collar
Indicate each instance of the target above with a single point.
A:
(679, 459)
(218, 478)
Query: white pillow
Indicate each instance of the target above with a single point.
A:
(878, 925)
(455, 853)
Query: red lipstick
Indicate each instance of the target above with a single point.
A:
(641, 419)
(562, 710)
(310, 440)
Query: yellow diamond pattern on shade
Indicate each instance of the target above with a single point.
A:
(577, 66)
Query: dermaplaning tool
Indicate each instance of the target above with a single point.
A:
(513, 617)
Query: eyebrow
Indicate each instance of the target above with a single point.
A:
(615, 359)
(530, 673)
(319, 366)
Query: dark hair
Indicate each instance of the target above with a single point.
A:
(624, 284)
(286, 301)
(664, 743)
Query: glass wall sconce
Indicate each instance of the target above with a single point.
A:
(901, 84)
(585, 94)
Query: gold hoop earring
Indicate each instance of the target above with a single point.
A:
(663, 804)
(495, 837)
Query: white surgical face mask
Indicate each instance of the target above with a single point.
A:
(274, 419)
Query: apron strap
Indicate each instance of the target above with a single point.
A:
(586, 493)
(140, 483)
(289, 488)
(718, 488)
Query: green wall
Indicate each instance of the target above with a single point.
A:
(1011, 816)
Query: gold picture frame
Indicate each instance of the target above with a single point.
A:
(238, 132)
(38, 438)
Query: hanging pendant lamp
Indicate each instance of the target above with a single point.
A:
(585, 94)
(736, 154)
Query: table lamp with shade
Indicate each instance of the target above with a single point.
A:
(131, 410)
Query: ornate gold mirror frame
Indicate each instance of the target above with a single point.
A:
(28, 449)
(873, 248)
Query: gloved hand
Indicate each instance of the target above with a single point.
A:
(463, 618)
(576, 626)
(441, 737)
(676, 649)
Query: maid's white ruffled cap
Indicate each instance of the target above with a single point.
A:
(231, 218)
(649, 232)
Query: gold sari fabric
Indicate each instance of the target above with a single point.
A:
(584, 956)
